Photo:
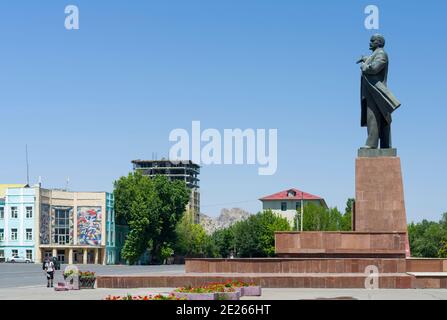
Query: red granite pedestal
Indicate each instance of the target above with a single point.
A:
(379, 195)
(379, 219)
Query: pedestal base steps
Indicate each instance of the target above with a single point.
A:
(295, 265)
(265, 280)
(295, 273)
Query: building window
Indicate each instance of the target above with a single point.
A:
(298, 206)
(283, 206)
(2, 212)
(13, 234)
(29, 234)
(29, 254)
(2, 234)
(29, 212)
(14, 212)
(15, 252)
(2, 253)
(62, 227)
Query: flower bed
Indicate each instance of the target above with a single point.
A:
(196, 296)
(224, 292)
(246, 288)
(229, 290)
(145, 297)
(71, 277)
(212, 291)
(87, 280)
(236, 295)
(198, 293)
(71, 273)
(251, 291)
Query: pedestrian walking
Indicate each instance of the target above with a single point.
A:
(48, 267)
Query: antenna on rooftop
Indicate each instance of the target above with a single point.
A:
(66, 184)
(27, 164)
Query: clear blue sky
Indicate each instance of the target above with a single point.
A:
(88, 102)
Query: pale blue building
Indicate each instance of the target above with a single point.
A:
(18, 223)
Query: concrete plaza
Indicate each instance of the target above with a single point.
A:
(26, 275)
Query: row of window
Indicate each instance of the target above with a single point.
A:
(284, 206)
(15, 252)
(13, 235)
(14, 212)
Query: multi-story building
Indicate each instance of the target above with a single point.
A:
(186, 171)
(17, 222)
(288, 202)
(75, 227)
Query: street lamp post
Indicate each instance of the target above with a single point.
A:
(302, 211)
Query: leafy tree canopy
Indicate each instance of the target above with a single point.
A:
(152, 209)
(254, 237)
(192, 240)
(318, 218)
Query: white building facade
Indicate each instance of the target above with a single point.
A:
(288, 202)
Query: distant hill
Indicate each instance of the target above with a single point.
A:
(226, 218)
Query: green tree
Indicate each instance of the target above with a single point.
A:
(224, 241)
(255, 237)
(427, 239)
(350, 205)
(346, 221)
(269, 223)
(152, 209)
(442, 252)
(166, 252)
(192, 240)
(319, 218)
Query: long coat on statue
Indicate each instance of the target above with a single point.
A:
(374, 86)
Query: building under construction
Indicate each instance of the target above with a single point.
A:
(186, 171)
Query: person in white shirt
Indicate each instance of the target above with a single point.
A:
(48, 267)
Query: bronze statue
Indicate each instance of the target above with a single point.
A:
(376, 100)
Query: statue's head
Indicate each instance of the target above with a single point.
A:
(377, 41)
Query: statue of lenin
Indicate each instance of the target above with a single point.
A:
(377, 102)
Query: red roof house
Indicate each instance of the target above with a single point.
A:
(287, 202)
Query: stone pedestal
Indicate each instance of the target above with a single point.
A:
(379, 193)
(340, 244)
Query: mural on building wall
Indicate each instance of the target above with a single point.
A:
(45, 224)
(89, 226)
(70, 223)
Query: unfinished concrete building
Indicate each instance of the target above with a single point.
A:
(186, 171)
